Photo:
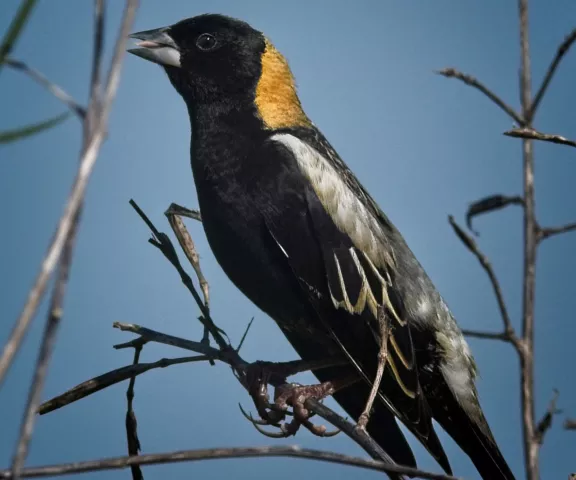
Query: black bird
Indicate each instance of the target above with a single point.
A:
(297, 233)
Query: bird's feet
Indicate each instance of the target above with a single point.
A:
(261, 374)
(291, 395)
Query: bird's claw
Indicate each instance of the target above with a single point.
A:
(285, 396)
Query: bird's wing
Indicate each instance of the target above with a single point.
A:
(359, 270)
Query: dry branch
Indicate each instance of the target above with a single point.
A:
(108, 379)
(221, 453)
(551, 231)
(54, 89)
(131, 421)
(473, 82)
(530, 133)
(560, 52)
(508, 335)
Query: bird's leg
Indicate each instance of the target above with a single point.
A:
(384, 327)
(259, 375)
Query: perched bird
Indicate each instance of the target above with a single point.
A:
(297, 233)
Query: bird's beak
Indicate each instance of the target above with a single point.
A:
(157, 46)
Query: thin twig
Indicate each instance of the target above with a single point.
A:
(489, 204)
(551, 231)
(108, 379)
(131, 421)
(198, 347)
(508, 334)
(187, 245)
(86, 164)
(473, 82)
(175, 209)
(241, 342)
(189, 248)
(562, 50)
(54, 89)
(221, 453)
(532, 134)
(46, 348)
(164, 244)
(487, 335)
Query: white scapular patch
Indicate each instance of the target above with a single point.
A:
(344, 207)
(458, 379)
(457, 367)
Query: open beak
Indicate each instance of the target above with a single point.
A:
(156, 46)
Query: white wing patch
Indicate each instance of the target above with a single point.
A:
(458, 369)
(346, 210)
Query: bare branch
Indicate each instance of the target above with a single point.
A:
(221, 453)
(164, 244)
(175, 209)
(508, 334)
(546, 421)
(189, 248)
(66, 224)
(108, 379)
(198, 347)
(532, 134)
(473, 82)
(562, 50)
(244, 335)
(54, 89)
(487, 335)
(551, 231)
(187, 245)
(489, 204)
(131, 421)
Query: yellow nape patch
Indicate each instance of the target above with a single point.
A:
(276, 98)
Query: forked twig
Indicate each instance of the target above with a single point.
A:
(475, 83)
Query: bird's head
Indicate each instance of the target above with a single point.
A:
(213, 59)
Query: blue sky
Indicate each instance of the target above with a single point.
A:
(424, 146)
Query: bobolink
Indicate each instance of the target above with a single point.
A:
(297, 233)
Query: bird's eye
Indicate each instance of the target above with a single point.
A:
(206, 42)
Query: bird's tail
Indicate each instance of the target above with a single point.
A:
(475, 438)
